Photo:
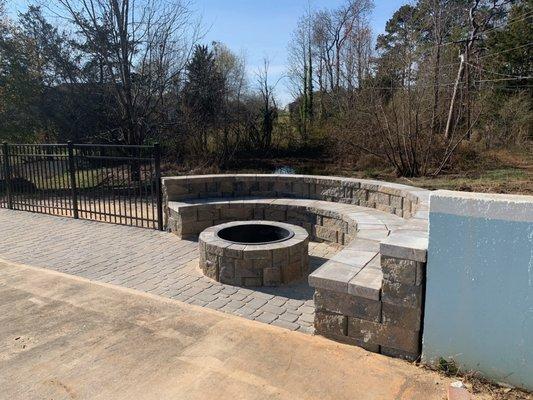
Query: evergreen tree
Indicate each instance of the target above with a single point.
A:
(203, 96)
(511, 46)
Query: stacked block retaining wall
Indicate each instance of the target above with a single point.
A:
(371, 293)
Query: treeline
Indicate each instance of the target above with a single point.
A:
(132, 73)
(444, 74)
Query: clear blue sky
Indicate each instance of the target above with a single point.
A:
(262, 28)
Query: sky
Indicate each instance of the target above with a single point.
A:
(262, 28)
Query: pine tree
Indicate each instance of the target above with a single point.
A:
(203, 95)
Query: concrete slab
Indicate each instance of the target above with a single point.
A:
(64, 337)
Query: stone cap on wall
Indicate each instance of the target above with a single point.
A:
(332, 188)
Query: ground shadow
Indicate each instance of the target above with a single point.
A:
(298, 290)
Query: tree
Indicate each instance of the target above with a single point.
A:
(202, 98)
(142, 50)
(301, 73)
(233, 71)
(269, 110)
(507, 61)
(329, 48)
(35, 57)
(511, 46)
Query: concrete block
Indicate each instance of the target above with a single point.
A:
(326, 191)
(404, 355)
(367, 283)
(258, 213)
(398, 270)
(408, 245)
(195, 188)
(226, 268)
(404, 317)
(239, 213)
(346, 304)
(280, 255)
(379, 198)
(210, 267)
(327, 323)
(271, 276)
(235, 250)
(375, 348)
(208, 214)
(282, 187)
(327, 234)
(262, 263)
(354, 257)
(334, 276)
(245, 271)
(384, 335)
(275, 215)
(252, 282)
(291, 272)
(402, 294)
(256, 252)
(194, 228)
(334, 223)
(396, 202)
(301, 189)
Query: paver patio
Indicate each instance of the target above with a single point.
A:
(151, 261)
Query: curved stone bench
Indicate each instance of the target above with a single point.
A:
(324, 221)
(371, 292)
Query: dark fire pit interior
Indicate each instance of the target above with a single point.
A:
(255, 234)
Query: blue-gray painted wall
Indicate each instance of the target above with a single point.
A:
(479, 296)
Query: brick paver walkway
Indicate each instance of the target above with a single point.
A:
(151, 261)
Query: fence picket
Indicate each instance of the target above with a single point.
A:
(84, 181)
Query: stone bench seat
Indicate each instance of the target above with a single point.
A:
(371, 292)
(356, 269)
(324, 220)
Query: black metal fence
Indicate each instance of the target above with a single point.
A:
(111, 183)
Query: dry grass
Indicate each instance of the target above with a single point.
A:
(508, 180)
(474, 170)
(476, 384)
(495, 171)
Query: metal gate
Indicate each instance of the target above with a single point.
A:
(110, 183)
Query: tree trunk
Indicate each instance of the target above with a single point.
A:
(447, 132)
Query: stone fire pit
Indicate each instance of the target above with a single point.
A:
(254, 253)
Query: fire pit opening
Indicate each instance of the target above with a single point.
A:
(255, 234)
(254, 253)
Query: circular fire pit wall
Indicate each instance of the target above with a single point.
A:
(254, 253)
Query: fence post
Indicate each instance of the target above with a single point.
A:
(72, 174)
(7, 175)
(157, 161)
